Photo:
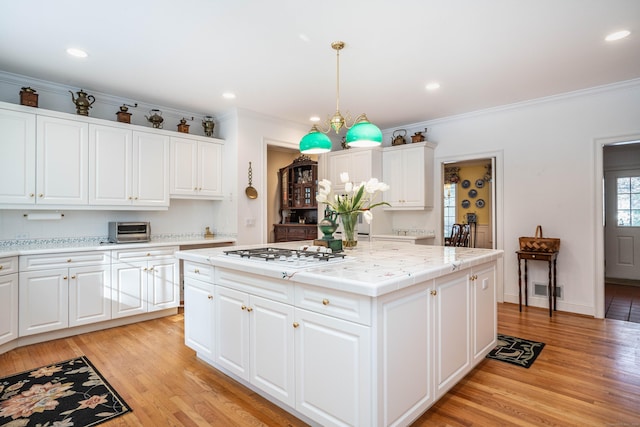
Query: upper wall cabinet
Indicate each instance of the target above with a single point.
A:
(128, 168)
(196, 168)
(17, 157)
(360, 163)
(408, 169)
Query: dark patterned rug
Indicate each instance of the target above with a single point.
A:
(71, 393)
(515, 350)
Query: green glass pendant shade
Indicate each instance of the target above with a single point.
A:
(364, 134)
(315, 142)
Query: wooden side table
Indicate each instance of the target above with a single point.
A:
(551, 258)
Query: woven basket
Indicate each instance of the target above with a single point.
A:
(539, 243)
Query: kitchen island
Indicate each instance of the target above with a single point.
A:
(373, 339)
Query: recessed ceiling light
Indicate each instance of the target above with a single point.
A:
(229, 95)
(314, 118)
(617, 35)
(433, 86)
(78, 53)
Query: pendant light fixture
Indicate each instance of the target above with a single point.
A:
(361, 133)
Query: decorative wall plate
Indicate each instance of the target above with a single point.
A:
(473, 193)
(479, 183)
(480, 203)
(466, 203)
(466, 183)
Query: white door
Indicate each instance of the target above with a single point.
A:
(128, 289)
(184, 177)
(110, 152)
(62, 166)
(622, 224)
(89, 295)
(271, 348)
(17, 157)
(199, 317)
(209, 169)
(232, 331)
(43, 301)
(150, 169)
(164, 289)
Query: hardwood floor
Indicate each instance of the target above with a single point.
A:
(587, 375)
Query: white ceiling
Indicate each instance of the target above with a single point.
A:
(276, 55)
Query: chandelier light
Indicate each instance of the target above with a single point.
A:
(361, 133)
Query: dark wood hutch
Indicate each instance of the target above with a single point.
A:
(298, 184)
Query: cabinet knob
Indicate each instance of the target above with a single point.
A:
(249, 309)
(40, 195)
(325, 302)
(148, 253)
(135, 198)
(69, 260)
(130, 198)
(64, 277)
(197, 271)
(296, 324)
(73, 277)
(151, 269)
(195, 188)
(31, 194)
(145, 269)
(1, 267)
(244, 307)
(434, 292)
(210, 296)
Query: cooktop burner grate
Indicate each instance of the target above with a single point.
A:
(280, 254)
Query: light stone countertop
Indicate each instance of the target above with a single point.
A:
(47, 246)
(372, 269)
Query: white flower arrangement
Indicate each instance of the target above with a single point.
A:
(356, 198)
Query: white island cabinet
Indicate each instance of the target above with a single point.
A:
(372, 340)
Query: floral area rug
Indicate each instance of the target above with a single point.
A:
(516, 351)
(71, 393)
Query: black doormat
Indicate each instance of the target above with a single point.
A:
(516, 351)
(70, 393)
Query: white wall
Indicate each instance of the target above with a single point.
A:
(549, 176)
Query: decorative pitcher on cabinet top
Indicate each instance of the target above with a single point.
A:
(83, 102)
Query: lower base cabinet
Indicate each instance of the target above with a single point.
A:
(8, 299)
(341, 359)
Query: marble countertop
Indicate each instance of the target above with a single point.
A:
(47, 246)
(372, 269)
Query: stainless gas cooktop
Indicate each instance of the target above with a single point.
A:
(291, 257)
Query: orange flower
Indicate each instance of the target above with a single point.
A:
(92, 402)
(39, 398)
(45, 371)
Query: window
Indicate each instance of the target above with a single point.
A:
(628, 196)
(449, 208)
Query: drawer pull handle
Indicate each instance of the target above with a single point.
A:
(325, 302)
(296, 324)
(434, 292)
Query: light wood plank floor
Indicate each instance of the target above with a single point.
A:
(587, 375)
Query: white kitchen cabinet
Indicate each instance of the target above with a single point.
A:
(408, 170)
(143, 281)
(199, 318)
(8, 299)
(452, 339)
(128, 168)
(63, 290)
(333, 369)
(362, 164)
(62, 161)
(485, 310)
(196, 168)
(254, 340)
(17, 157)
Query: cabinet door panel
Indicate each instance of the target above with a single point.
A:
(128, 289)
(184, 174)
(8, 307)
(272, 349)
(43, 301)
(150, 169)
(210, 169)
(110, 164)
(199, 317)
(89, 295)
(484, 311)
(333, 387)
(62, 161)
(17, 157)
(453, 336)
(232, 331)
(164, 290)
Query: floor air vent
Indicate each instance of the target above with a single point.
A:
(541, 290)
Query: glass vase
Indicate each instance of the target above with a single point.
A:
(349, 222)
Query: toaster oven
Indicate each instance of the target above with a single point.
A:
(129, 232)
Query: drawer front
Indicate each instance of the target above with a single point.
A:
(8, 265)
(143, 254)
(66, 259)
(198, 271)
(343, 305)
(274, 289)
